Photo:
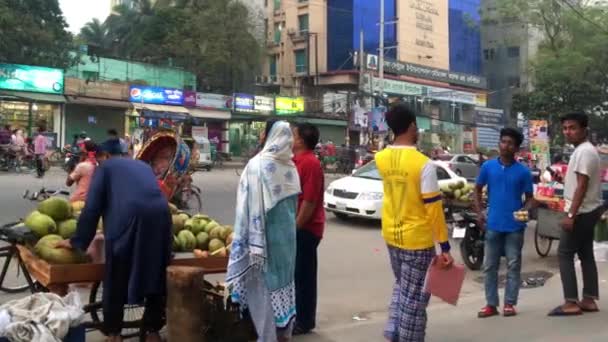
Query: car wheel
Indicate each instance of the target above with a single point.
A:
(459, 173)
(341, 216)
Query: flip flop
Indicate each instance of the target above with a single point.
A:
(589, 310)
(559, 312)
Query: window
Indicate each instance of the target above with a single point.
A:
(277, 33)
(488, 54)
(303, 23)
(266, 29)
(273, 66)
(513, 51)
(301, 61)
(277, 5)
(442, 174)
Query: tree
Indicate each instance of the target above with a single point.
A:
(569, 72)
(34, 32)
(96, 33)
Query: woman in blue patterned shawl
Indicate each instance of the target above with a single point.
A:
(262, 260)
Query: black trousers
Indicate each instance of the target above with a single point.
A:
(40, 165)
(306, 279)
(579, 242)
(115, 297)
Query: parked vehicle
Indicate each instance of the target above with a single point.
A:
(202, 148)
(361, 193)
(464, 224)
(462, 164)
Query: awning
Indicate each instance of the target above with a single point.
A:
(161, 111)
(31, 97)
(316, 121)
(90, 101)
(209, 114)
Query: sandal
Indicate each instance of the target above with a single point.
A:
(559, 312)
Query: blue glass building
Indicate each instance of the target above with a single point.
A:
(465, 36)
(346, 19)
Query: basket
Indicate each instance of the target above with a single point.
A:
(225, 320)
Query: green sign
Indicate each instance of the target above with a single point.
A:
(31, 78)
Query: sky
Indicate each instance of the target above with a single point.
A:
(80, 12)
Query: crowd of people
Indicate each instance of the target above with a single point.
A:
(280, 221)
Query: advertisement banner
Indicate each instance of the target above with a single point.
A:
(244, 103)
(538, 131)
(189, 99)
(445, 94)
(377, 120)
(213, 101)
(391, 86)
(199, 132)
(264, 104)
(31, 78)
(156, 95)
(289, 105)
(99, 89)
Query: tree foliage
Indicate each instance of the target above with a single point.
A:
(34, 32)
(569, 72)
(213, 38)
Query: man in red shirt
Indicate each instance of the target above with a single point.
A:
(310, 221)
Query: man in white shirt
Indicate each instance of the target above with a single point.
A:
(583, 193)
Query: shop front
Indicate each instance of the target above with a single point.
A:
(249, 116)
(153, 109)
(31, 95)
(94, 108)
(211, 112)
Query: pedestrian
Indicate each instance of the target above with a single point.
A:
(138, 236)
(583, 196)
(412, 223)
(310, 222)
(5, 135)
(40, 143)
(113, 135)
(261, 269)
(507, 181)
(83, 172)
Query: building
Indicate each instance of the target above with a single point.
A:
(508, 47)
(432, 51)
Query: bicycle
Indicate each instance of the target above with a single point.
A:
(44, 194)
(22, 281)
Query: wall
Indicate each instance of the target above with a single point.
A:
(465, 36)
(423, 32)
(106, 69)
(77, 120)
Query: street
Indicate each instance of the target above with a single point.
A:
(354, 274)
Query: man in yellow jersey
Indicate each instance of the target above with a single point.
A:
(412, 222)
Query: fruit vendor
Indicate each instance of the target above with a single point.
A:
(412, 223)
(138, 239)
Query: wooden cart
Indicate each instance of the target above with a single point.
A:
(57, 278)
(548, 226)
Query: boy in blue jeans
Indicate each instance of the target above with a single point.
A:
(508, 182)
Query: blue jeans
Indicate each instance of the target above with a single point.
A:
(499, 244)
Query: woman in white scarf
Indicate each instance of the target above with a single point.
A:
(262, 260)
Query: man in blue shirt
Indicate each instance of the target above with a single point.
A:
(507, 181)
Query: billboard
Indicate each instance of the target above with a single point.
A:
(31, 78)
(244, 103)
(289, 105)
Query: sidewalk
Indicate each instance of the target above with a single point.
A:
(455, 324)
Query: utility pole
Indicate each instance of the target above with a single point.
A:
(381, 52)
(362, 61)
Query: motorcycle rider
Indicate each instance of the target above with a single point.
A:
(507, 181)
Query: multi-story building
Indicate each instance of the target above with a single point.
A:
(508, 47)
(432, 50)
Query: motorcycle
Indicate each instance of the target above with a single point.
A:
(465, 227)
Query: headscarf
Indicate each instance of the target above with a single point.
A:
(268, 178)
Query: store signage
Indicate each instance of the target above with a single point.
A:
(98, 89)
(451, 95)
(213, 101)
(489, 117)
(199, 133)
(244, 103)
(289, 105)
(189, 99)
(416, 70)
(156, 95)
(264, 104)
(372, 84)
(31, 78)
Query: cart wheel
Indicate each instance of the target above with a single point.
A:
(542, 244)
(133, 314)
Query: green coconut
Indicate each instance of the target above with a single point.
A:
(57, 208)
(67, 228)
(202, 241)
(40, 224)
(186, 241)
(215, 244)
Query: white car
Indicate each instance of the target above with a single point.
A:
(361, 194)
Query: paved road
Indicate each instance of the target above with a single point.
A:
(354, 274)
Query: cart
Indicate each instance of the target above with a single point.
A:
(57, 278)
(548, 225)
